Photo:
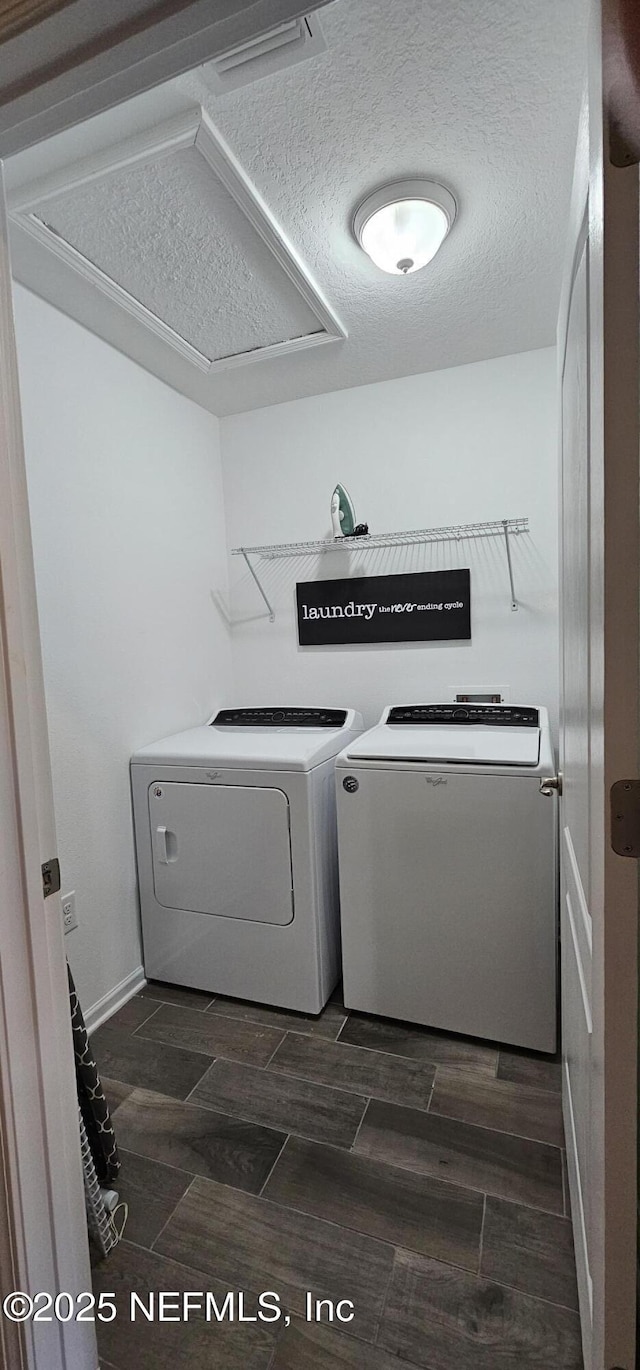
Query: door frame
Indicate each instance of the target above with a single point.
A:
(43, 1246)
(604, 223)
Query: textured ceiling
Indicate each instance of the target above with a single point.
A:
(171, 235)
(480, 94)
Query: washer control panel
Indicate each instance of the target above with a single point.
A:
(280, 718)
(448, 715)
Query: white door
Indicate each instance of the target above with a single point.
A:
(222, 849)
(598, 353)
(40, 1153)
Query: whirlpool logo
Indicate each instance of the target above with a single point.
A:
(436, 780)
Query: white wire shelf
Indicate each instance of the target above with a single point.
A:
(503, 528)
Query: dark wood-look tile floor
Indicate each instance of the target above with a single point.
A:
(326, 1024)
(417, 1174)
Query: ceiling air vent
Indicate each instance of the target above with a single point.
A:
(273, 51)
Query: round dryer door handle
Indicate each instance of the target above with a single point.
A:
(551, 783)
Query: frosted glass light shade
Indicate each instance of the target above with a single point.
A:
(401, 226)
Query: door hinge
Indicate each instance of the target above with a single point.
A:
(50, 877)
(625, 817)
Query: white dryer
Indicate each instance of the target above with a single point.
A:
(448, 871)
(236, 849)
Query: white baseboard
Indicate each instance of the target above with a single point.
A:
(111, 1002)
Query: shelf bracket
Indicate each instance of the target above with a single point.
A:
(514, 602)
(272, 616)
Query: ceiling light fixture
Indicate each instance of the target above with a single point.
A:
(401, 226)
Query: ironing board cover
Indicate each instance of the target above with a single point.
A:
(93, 1105)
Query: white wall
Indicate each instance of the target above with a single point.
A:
(130, 548)
(129, 539)
(472, 443)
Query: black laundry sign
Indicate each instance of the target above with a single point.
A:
(427, 606)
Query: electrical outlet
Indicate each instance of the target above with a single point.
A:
(69, 911)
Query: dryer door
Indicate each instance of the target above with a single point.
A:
(222, 849)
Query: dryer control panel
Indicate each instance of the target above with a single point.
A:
(280, 718)
(495, 715)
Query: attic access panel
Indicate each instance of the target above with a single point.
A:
(169, 227)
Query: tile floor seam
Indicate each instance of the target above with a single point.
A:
(142, 1156)
(359, 1339)
(268, 1177)
(276, 1344)
(190, 1269)
(154, 1012)
(418, 1060)
(350, 1227)
(268, 1063)
(522, 1084)
(173, 1210)
(361, 1232)
(199, 1082)
(566, 1196)
(227, 1018)
(367, 1101)
(517, 1289)
(344, 1089)
(385, 1300)
(488, 1279)
(150, 1089)
(537, 1298)
(390, 1165)
(348, 1336)
(167, 1164)
(197, 1051)
(144, 1020)
(431, 1093)
(194, 1051)
(426, 1174)
(484, 1219)
(172, 1003)
(256, 1022)
(122, 1027)
(328, 1222)
(509, 1088)
(488, 1127)
(502, 1132)
(241, 1118)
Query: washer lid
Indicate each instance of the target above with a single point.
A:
(445, 733)
(272, 746)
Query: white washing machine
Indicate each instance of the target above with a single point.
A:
(236, 849)
(448, 861)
